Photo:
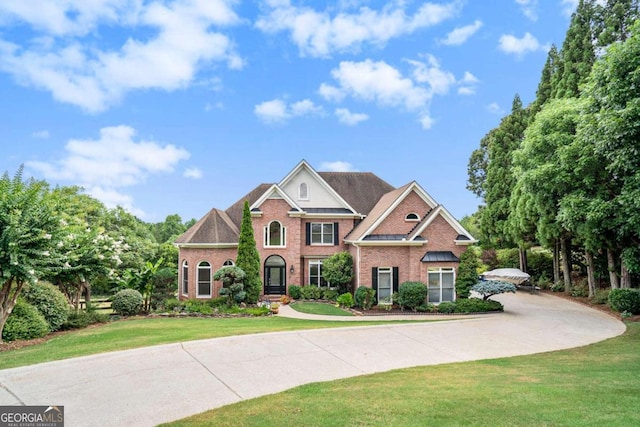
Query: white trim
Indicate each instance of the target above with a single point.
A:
(267, 235)
(198, 268)
(387, 242)
(275, 188)
(416, 219)
(414, 186)
(306, 188)
(185, 264)
(442, 211)
(322, 243)
(207, 245)
(303, 164)
(441, 270)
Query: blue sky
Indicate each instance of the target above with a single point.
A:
(178, 106)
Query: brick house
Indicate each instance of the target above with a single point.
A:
(394, 235)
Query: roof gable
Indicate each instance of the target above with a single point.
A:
(464, 237)
(275, 192)
(319, 193)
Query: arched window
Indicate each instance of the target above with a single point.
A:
(185, 277)
(412, 217)
(303, 191)
(228, 263)
(204, 280)
(274, 235)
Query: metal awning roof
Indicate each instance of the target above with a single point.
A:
(440, 256)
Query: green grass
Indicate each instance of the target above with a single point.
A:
(596, 385)
(319, 308)
(127, 334)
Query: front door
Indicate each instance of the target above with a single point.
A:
(274, 276)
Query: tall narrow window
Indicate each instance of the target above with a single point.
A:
(204, 280)
(385, 285)
(185, 277)
(441, 284)
(303, 191)
(274, 234)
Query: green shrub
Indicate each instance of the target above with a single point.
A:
(218, 302)
(24, 323)
(82, 319)
(345, 300)
(329, 294)
(446, 307)
(365, 297)
(580, 289)
(600, 297)
(557, 287)
(427, 308)
(127, 302)
(544, 282)
(198, 306)
(310, 292)
(49, 301)
(622, 300)
(467, 273)
(477, 305)
(412, 295)
(172, 304)
(256, 311)
(539, 264)
(294, 291)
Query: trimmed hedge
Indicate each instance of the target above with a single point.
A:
(49, 301)
(24, 323)
(294, 291)
(412, 295)
(127, 302)
(310, 292)
(625, 300)
(477, 305)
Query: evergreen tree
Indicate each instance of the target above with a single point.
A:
(577, 54)
(467, 273)
(615, 20)
(248, 257)
(500, 179)
(545, 88)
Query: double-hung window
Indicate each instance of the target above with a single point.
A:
(204, 280)
(441, 284)
(322, 233)
(185, 278)
(315, 273)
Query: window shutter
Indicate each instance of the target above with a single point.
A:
(374, 278)
(307, 227)
(395, 279)
(336, 234)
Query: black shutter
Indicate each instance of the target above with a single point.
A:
(336, 234)
(395, 279)
(307, 227)
(374, 278)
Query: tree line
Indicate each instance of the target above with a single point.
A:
(71, 240)
(562, 172)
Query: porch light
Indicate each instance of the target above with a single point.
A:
(291, 269)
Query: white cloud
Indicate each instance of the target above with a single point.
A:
(337, 166)
(113, 161)
(529, 8)
(461, 34)
(379, 82)
(65, 58)
(41, 134)
(519, 46)
(430, 73)
(467, 85)
(193, 173)
(494, 108)
(277, 110)
(320, 34)
(348, 118)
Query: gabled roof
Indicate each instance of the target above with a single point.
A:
(275, 190)
(214, 228)
(235, 210)
(464, 237)
(360, 189)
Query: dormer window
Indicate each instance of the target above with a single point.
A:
(303, 191)
(412, 217)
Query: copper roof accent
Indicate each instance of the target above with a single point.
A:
(361, 190)
(214, 227)
(378, 210)
(235, 211)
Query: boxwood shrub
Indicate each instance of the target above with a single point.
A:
(446, 307)
(477, 305)
(294, 291)
(345, 300)
(49, 301)
(412, 295)
(24, 323)
(127, 302)
(310, 292)
(329, 294)
(622, 300)
(365, 297)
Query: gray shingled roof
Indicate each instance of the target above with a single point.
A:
(235, 210)
(214, 227)
(361, 190)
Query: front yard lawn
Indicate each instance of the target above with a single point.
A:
(319, 308)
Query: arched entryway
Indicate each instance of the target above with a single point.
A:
(275, 275)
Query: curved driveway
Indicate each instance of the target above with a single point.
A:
(151, 385)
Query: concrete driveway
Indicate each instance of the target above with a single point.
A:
(147, 386)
